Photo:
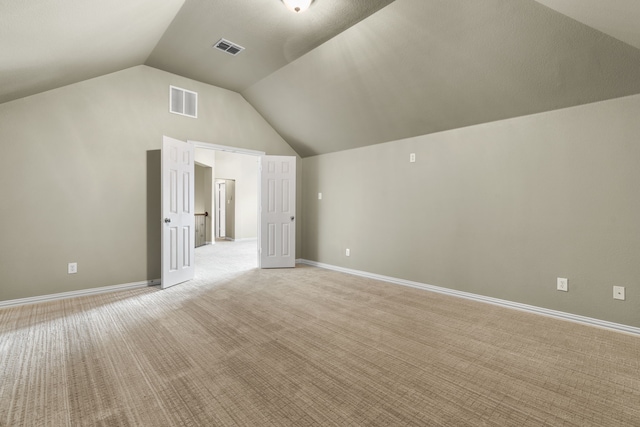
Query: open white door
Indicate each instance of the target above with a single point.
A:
(178, 226)
(278, 212)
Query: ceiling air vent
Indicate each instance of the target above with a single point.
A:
(227, 46)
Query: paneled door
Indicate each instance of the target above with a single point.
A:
(278, 212)
(178, 218)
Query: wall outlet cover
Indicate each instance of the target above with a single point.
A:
(72, 268)
(562, 284)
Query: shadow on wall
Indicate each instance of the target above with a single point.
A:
(154, 198)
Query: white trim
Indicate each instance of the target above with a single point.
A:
(244, 239)
(78, 293)
(200, 144)
(481, 298)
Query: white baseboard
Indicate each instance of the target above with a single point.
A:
(244, 239)
(480, 298)
(78, 293)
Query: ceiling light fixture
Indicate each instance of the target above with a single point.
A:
(297, 5)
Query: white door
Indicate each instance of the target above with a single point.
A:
(222, 205)
(278, 212)
(178, 226)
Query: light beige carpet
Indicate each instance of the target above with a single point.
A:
(307, 347)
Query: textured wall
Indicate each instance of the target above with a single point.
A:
(243, 169)
(199, 194)
(207, 158)
(499, 209)
(79, 176)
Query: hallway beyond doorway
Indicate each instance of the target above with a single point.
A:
(226, 257)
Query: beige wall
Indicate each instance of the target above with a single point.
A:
(79, 176)
(501, 209)
(199, 196)
(243, 169)
(207, 158)
(202, 197)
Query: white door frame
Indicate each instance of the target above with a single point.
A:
(259, 154)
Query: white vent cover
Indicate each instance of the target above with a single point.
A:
(228, 47)
(183, 102)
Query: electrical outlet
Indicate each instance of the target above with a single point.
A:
(347, 252)
(618, 292)
(563, 284)
(319, 196)
(72, 268)
(412, 157)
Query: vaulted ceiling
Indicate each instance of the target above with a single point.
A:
(343, 74)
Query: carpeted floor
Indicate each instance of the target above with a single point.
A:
(306, 347)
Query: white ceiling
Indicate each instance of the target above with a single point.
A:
(345, 73)
(272, 37)
(617, 18)
(419, 67)
(46, 44)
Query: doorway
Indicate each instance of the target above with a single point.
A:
(274, 226)
(226, 209)
(234, 204)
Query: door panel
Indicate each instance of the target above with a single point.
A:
(178, 219)
(277, 213)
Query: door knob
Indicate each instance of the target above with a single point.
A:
(167, 220)
(292, 218)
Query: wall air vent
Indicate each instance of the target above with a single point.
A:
(183, 102)
(228, 47)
